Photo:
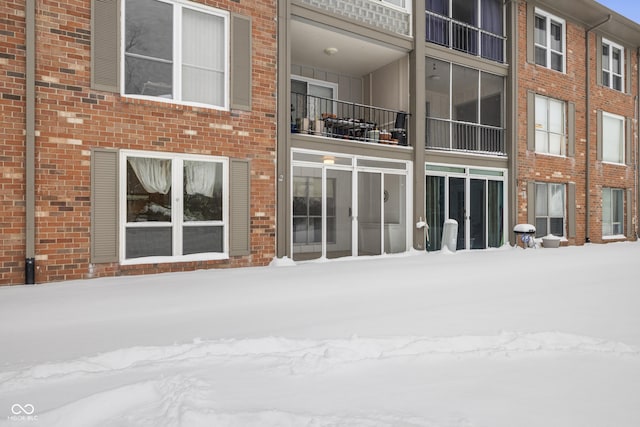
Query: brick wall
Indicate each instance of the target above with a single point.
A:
(570, 87)
(71, 119)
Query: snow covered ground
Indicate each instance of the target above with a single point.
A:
(497, 338)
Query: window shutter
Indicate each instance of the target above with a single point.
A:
(571, 132)
(627, 71)
(629, 213)
(599, 125)
(571, 210)
(531, 203)
(599, 60)
(531, 121)
(105, 45)
(240, 62)
(628, 141)
(240, 215)
(104, 206)
(531, 14)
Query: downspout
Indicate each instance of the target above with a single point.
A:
(637, 146)
(513, 114)
(30, 140)
(588, 125)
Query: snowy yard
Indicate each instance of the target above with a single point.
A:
(496, 338)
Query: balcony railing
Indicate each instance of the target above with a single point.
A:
(460, 36)
(330, 118)
(460, 136)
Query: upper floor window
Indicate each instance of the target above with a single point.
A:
(176, 50)
(613, 146)
(549, 37)
(472, 26)
(612, 65)
(551, 135)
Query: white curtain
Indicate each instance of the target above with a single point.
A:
(200, 178)
(153, 174)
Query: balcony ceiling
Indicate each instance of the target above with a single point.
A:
(356, 56)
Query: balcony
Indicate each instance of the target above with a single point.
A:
(452, 135)
(463, 37)
(330, 118)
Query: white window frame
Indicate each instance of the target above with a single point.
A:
(177, 221)
(547, 216)
(178, 6)
(610, 71)
(563, 135)
(610, 208)
(606, 140)
(551, 18)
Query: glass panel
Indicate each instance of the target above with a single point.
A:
(322, 158)
(202, 192)
(541, 56)
(491, 16)
(457, 208)
(556, 61)
(556, 226)
(307, 213)
(465, 11)
(612, 139)
(605, 57)
(438, 6)
(605, 78)
(616, 61)
(369, 213)
(318, 105)
(606, 212)
(382, 164)
(556, 144)
(437, 88)
(477, 217)
(556, 116)
(149, 36)
(542, 124)
(556, 200)
(435, 211)
(495, 214)
(203, 57)
(148, 241)
(148, 189)
(451, 169)
(540, 31)
(556, 37)
(395, 213)
(541, 200)
(486, 172)
(339, 213)
(541, 227)
(201, 239)
(465, 94)
(491, 92)
(617, 83)
(542, 142)
(618, 210)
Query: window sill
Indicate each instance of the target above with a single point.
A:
(615, 237)
(169, 102)
(557, 156)
(209, 256)
(605, 162)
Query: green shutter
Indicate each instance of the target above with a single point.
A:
(105, 45)
(240, 201)
(240, 62)
(531, 203)
(104, 206)
(531, 14)
(599, 125)
(571, 132)
(531, 121)
(571, 210)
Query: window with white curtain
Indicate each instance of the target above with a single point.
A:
(176, 50)
(612, 212)
(551, 134)
(612, 138)
(172, 206)
(550, 209)
(612, 65)
(549, 40)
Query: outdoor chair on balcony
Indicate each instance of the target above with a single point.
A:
(399, 130)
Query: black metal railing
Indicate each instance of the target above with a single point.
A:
(330, 118)
(460, 36)
(461, 136)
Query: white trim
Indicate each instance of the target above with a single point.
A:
(623, 141)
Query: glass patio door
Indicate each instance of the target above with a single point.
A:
(458, 209)
(369, 213)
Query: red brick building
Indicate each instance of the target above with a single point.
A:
(577, 148)
(139, 137)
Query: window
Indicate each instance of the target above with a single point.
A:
(549, 38)
(612, 65)
(612, 138)
(612, 212)
(549, 209)
(550, 126)
(176, 51)
(173, 206)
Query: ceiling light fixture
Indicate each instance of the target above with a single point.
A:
(330, 50)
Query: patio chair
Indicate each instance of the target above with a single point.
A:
(399, 130)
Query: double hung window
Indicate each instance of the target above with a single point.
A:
(176, 50)
(613, 138)
(550, 209)
(612, 212)
(612, 65)
(549, 37)
(551, 134)
(173, 206)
